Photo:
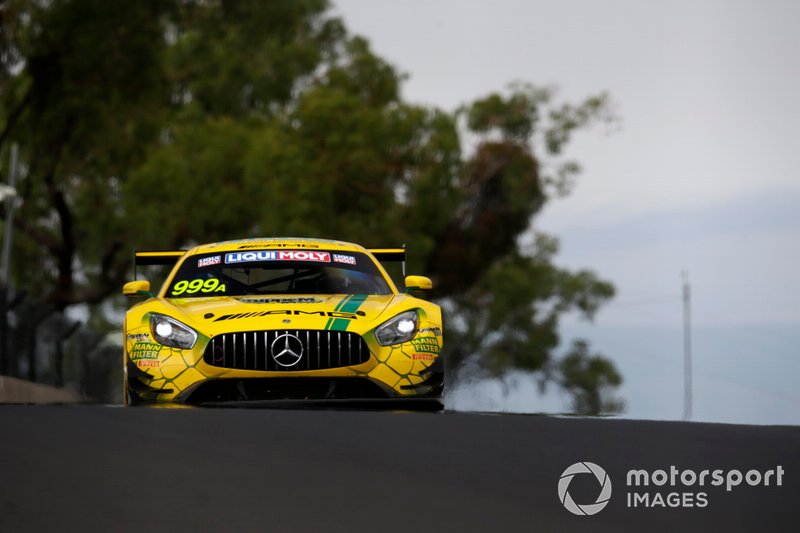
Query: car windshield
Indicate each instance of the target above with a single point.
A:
(251, 272)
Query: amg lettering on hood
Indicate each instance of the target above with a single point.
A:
(277, 255)
(296, 312)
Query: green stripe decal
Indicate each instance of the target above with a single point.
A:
(353, 303)
(348, 305)
(341, 304)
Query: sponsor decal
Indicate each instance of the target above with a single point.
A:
(295, 312)
(148, 363)
(346, 259)
(145, 350)
(277, 255)
(426, 344)
(288, 242)
(436, 331)
(279, 300)
(208, 261)
(422, 357)
(139, 337)
(279, 245)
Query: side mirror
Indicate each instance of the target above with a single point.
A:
(418, 283)
(137, 288)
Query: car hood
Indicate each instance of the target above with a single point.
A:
(248, 313)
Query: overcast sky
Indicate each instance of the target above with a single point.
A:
(701, 176)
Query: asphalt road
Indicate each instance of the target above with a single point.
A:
(93, 468)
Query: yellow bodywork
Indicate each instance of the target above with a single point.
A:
(159, 373)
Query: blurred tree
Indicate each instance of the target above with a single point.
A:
(590, 380)
(165, 123)
(82, 91)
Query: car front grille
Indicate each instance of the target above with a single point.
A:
(286, 350)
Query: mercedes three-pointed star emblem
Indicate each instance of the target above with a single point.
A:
(286, 350)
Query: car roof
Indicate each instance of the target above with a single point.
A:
(276, 242)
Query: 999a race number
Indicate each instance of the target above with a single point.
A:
(198, 285)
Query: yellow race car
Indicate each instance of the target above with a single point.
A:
(281, 319)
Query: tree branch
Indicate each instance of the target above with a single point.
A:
(112, 273)
(15, 114)
(22, 224)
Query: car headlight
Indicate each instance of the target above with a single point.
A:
(399, 329)
(170, 332)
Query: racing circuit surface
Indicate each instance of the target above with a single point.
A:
(93, 468)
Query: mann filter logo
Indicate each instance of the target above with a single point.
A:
(426, 344)
(587, 509)
(145, 350)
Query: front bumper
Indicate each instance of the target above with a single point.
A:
(196, 376)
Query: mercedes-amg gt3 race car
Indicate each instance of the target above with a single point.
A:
(281, 319)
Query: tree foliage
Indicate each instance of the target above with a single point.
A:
(590, 379)
(165, 123)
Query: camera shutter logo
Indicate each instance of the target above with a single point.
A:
(589, 508)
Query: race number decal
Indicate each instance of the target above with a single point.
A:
(198, 285)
